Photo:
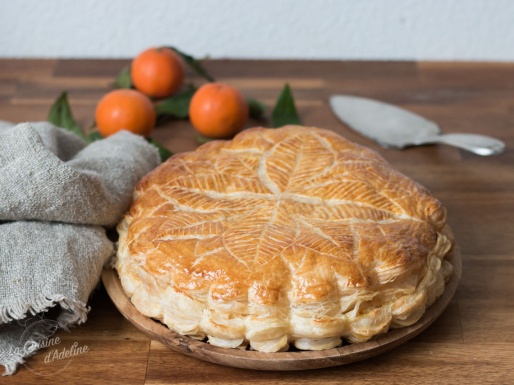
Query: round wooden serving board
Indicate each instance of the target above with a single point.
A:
(291, 360)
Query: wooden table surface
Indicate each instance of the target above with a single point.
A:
(472, 342)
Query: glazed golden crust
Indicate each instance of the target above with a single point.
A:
(290, 235)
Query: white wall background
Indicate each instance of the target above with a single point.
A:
(299, 29)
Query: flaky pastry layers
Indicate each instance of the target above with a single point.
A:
(290, 235)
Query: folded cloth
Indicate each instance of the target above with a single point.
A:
(57, 197)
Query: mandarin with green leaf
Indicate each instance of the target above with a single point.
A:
(218, 110)
(125, 109)
(157, 72)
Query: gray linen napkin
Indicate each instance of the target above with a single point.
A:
(56, 196)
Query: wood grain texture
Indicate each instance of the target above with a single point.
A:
(472, 341)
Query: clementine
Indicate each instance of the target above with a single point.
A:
(125, 109)
(157, 72)
(218, 110)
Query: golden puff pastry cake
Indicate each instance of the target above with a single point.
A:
(282, 236)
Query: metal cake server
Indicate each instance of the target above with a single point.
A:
(395, 127)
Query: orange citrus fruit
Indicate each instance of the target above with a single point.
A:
(157, 72)
(218, 110)
(125, 109)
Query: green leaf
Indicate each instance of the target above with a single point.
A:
(163, 152)
(194, 64)
(94, 136)
(60, 115)
(285, 111)
(200, 139)
(176, 106)
(124, 80)
(256, 108)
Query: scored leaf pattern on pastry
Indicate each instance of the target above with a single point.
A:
(281, 207)
(295, 225)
